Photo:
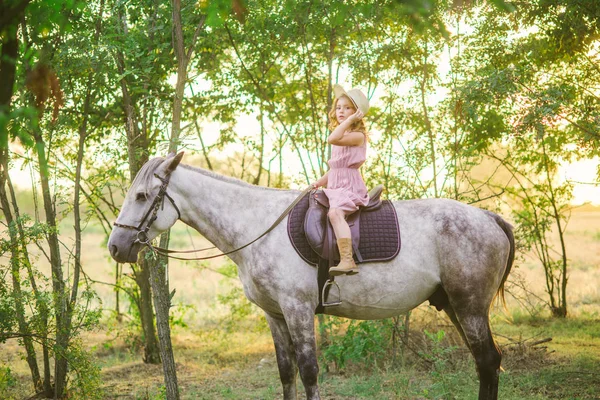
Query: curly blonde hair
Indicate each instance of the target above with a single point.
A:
(357, 126)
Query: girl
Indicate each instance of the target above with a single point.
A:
(345, 187)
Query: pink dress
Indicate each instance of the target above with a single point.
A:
(345, 186)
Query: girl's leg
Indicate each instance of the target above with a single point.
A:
(344, 242)
(337, 217)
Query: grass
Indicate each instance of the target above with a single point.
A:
(215, 364)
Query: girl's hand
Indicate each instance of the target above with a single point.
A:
(358, 115)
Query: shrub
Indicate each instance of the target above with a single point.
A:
(364, 343)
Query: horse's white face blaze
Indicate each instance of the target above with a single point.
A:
(123, 243)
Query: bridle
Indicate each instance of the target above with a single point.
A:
(159, 202)
(152, 213)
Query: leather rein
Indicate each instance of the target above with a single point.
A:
(159, 202)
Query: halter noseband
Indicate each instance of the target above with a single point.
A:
(151, 214)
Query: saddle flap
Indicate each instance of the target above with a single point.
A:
(315, 223)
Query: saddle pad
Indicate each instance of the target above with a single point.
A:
(379, 233)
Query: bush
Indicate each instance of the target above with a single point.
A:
(364, 343)
(85, 374)
(240, 308)
(6, 379)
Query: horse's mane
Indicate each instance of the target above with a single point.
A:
(146, 173)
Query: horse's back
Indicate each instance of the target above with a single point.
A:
(447, 220)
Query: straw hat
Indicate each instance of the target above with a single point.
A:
(356, 95)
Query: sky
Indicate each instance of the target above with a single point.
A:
(583, 171)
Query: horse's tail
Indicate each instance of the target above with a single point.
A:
(507, 228)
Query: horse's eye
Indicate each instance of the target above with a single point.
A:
(141, 196)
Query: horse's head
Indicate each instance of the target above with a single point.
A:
(147, 211)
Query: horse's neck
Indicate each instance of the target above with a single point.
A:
(226, 213)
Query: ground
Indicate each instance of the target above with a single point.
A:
(242, 366)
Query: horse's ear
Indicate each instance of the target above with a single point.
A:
(174, 162)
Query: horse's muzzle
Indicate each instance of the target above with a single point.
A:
(123, 255)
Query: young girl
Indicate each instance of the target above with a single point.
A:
(345, 187)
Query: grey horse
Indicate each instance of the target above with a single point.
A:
(460, 254)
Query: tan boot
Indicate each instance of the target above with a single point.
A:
(346, 265)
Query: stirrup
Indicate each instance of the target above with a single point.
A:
(331, 282)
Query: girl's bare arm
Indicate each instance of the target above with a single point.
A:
(322, 181)
(352, 138)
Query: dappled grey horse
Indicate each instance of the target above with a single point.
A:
(460, 253)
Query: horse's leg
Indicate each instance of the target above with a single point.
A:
(452, 315)
(286, 357)
(476, 328)
(301, 324)
(477, 255)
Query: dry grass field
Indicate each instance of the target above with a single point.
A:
(238, 362)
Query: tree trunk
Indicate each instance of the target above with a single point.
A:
(117, 292)
(428, 127)
(561, 310)
(15, 272)
(58, 284)
(405, 338)
(8, 66)
(204, 149)
(162, 304)
(330, 56)
(262, 146)
(142, 278)
(137, 150)
(42, 307)
(158, 277)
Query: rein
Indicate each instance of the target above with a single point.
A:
(151, 215)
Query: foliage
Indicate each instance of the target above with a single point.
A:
(240, 308)
(6, 379)
(37, 297)
(178, 314)
(7, 311)
(533, 97)
(361, 344)
(86, 382)
(439, 356)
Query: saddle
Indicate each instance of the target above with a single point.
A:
(374, 228)
(316, 224)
